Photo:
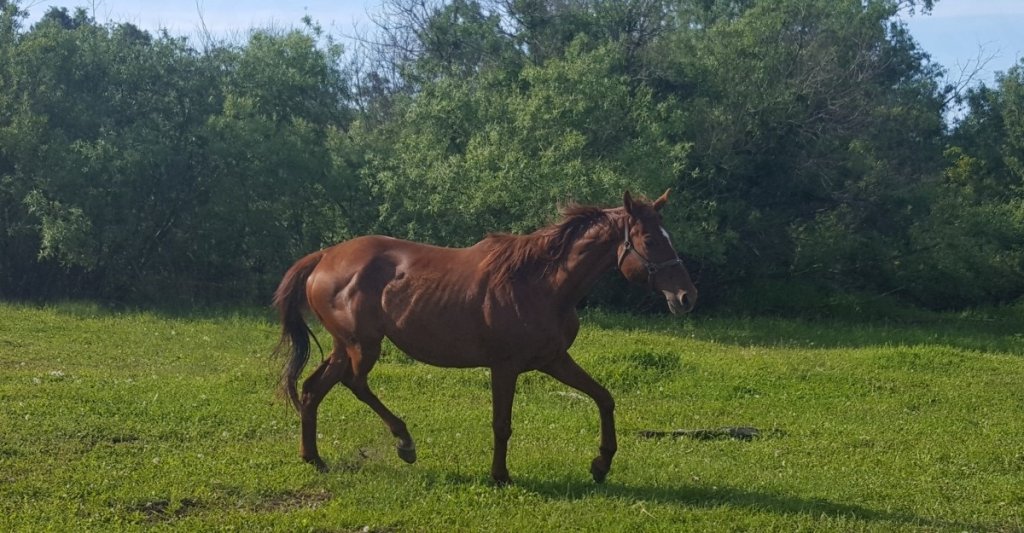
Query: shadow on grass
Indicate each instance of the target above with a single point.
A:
(704, 497)
(712, 497)
(86, 310)
(994, 331)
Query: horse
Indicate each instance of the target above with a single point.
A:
(507, 303)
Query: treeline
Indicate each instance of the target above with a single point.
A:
(805, 141)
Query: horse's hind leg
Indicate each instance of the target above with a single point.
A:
(363, 356)
(336, 368)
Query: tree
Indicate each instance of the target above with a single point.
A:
(472, 155)
(134, 167)
(273, 192)
(811, 121)
(109, 171)
(970, 244)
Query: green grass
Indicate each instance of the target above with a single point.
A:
(125, 421)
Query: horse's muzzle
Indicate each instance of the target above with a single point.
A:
(680, 301)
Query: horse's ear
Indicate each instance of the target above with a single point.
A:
(627, 202)
(662, 200)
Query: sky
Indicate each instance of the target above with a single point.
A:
(961, 35)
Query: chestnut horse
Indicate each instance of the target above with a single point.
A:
(507, 303)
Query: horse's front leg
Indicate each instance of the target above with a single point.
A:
(503, 389)
(566, 370)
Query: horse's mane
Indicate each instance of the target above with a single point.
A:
(535, 254)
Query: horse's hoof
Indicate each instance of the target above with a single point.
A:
(317, 463)
(501, 480)
(598, 470)
(407, 453)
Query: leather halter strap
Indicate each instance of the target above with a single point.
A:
(652, 267)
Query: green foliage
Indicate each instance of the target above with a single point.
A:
(468, 156)
(136, 167)
(970, 244)
(272, 190)
(990, 140)
(804, 141)
(812, 123)
(64, 231)
(460, 40)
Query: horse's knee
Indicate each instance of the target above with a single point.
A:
(309, 392)
(359, 386)
(320, 382)
(604, 401)
(308, 403)
(502, 431)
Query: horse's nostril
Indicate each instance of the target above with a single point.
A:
(688, 301)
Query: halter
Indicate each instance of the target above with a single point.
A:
(652, 268)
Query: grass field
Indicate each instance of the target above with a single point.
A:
(123, 421)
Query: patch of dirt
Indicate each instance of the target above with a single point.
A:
(123, 439)
(729, 432)
(289, 501)
(358, 529)
(356, 461)
(162, 509)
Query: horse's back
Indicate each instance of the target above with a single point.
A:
(377, 255)
(392, 284)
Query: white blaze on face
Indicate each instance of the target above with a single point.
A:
(665, 233)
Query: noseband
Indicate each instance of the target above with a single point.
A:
(652, 268)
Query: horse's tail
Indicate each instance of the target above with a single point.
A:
(290, 302)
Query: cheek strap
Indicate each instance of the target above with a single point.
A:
(652, 268)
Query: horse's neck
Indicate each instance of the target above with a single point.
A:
(591, 257)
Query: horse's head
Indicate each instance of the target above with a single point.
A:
(646, 255)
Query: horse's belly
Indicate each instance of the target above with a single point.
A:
(432, 327)
(441, 348)
(471, 342)
(456, 327)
